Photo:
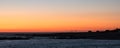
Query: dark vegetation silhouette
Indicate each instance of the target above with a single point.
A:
(89, 31)
(97, 31)
(107, 35)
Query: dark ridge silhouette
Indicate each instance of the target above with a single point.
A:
(89, 31)
(97, 31)
(103, 35)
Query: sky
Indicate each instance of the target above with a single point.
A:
(58, 15)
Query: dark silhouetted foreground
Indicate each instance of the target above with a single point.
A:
(104, 35)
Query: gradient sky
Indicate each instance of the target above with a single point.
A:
(58, 15)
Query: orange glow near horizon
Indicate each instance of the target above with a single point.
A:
(56, 22)
(53, 16)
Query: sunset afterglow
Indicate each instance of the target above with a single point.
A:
(58, 15)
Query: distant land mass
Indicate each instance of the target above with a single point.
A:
(101, 35)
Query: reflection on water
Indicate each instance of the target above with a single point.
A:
(60, 43)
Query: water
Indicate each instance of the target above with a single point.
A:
(60, 43)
